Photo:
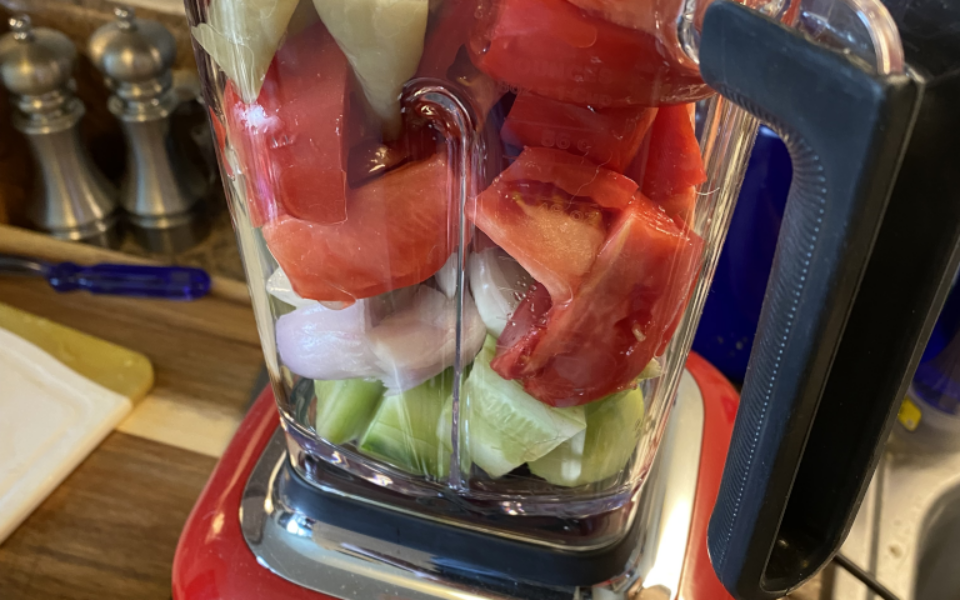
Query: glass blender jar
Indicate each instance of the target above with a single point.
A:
(478, 235)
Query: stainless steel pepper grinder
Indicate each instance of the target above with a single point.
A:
(162, 194)
(72, 200)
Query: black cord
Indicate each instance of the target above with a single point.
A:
(866, 578)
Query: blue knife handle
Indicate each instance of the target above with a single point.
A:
(172, 283)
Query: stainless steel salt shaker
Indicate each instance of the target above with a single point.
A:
(72, 200)
(162, 194)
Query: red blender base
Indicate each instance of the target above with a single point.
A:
(213, 561)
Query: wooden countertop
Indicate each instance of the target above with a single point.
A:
(110, 530)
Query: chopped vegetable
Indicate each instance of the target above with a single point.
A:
(397, 235)
(498, 283)
(402, 338)
(554, 49)
(416, 343)
(320, 343)
(654, 17)
(345, 408)
(383, 40)
(404, 430)
(547, 211)
(294, 140)
(610, 138)
(449, 31)
(242, 37)
(622, 316)
(669, 166)
(602, 449)
(505, 427)
(278, 286)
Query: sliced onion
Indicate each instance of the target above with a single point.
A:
(320, 343)
(403, 338)
(446, 277)
(418, 343)
(279, 286)
(498, 283)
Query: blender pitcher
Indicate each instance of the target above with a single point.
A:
(478, 234)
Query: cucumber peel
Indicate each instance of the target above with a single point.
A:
(504, 426)
(602, 449)
(405, 430)
(345, 407)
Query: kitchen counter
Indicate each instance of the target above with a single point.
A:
(110, 530)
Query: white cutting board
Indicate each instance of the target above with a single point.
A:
(51, 418)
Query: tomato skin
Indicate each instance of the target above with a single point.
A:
(547, 210)
(669, 165)
(399, 233)
(610, 138)
(293, 142)
(523, 332)
(554, 49)
(620, 318)
(447, 32)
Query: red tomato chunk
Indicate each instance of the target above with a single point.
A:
(550, 211)
(554, 49)
(669, 166)
(610, 138)
(622, 315)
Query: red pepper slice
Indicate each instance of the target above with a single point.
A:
(293, 142)
(400, 232)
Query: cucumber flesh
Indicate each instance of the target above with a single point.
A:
(345, 407)
(405, 430)
(602, 449)
(504, 426)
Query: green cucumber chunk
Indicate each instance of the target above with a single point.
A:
(602, 449)
(344, 408)
(405, 429)
(504, 426)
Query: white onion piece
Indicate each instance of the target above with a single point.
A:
(279, 286)
(446, 277)
(403, 349)
(320, 343)
(498, 283)
(418, 343)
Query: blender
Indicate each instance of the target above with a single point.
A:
(478, 235)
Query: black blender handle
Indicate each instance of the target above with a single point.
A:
(846, 129)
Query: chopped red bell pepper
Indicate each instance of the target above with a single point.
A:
(400, 231)
(293, 142)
